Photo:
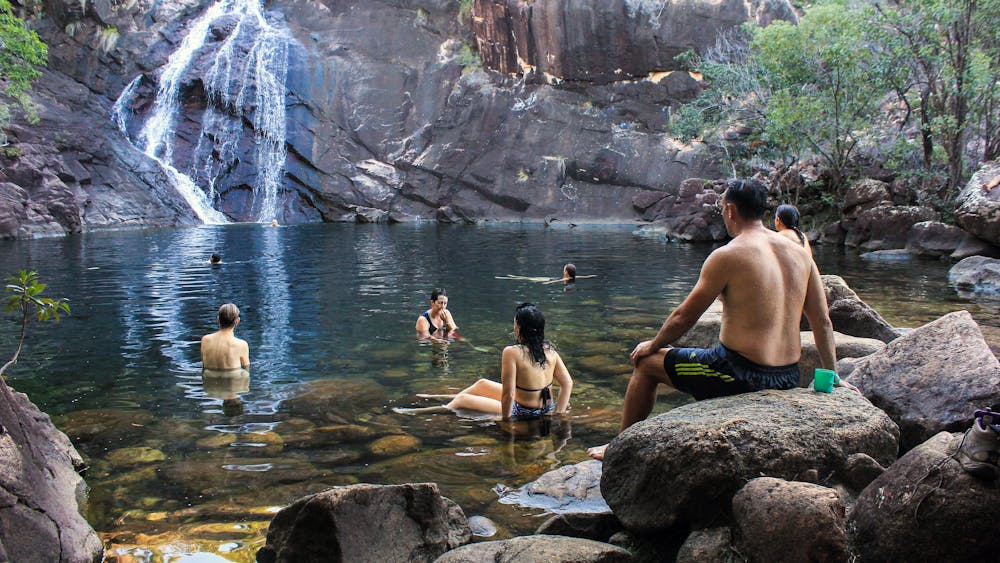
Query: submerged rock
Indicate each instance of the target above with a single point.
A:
(411, 522)
(571, 488)
(131, 457)
(932, 378)
(538, 548)
(686, 465)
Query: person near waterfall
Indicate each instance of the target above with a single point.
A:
(221, 350)
(766, 282)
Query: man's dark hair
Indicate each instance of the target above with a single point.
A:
(571, 271)
(215, 259)
(228, 314)
(749, 197)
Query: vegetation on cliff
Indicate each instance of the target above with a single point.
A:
(21, 51)
(913, 86)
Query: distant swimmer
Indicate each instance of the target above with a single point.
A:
(568, 276)
(221, 350)
(215, 259)
(436, 321)
(274, 223)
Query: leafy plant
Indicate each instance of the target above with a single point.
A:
(107, 38)
(26, 301)
(21, 51)
(469, 58)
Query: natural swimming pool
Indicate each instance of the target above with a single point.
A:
(329, 312)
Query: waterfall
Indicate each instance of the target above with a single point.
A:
(245, 84)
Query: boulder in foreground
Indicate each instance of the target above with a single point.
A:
(410, 522)
(686, 465)
(925, 507)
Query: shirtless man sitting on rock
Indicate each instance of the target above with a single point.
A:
(221, 350)
(766, 282)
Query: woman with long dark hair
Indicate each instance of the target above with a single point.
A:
(786, 222)
(527, 372)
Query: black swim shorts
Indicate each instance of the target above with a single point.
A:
(719, 372)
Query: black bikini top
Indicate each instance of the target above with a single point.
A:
(545, 391)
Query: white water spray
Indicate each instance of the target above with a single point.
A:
(233, 77)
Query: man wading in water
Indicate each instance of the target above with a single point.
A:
(222, 350)
(766, 282)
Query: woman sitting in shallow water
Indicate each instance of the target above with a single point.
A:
(527, 372)
(436, 321)
(786, 222)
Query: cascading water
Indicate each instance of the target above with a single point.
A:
(242, 85)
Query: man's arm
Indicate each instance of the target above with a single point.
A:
(245, 355)
(818, 314)
(711, 282)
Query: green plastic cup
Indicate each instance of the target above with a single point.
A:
(824, 380)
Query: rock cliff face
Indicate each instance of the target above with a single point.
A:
(40, 490)
(390, 113)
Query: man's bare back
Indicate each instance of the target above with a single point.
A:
(766, 283)
(221, 350)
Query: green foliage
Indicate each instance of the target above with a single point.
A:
(21, 51)
(464, 11)
(469, 58)
(950, 50)
(25, 299)
(107, 38)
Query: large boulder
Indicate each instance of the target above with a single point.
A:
(411, 522)
(979, 206)
(975, 246)
(767, 509)
(850, 315)
(40, 489)
(863, 195)
(602, 42)
(925, 507)
(886, 226)
(932, 378)
(934, 238)
(538, 548)
(686, 465)
(846, 346)
(978, 274)
(692, 215)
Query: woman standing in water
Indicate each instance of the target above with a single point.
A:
(437, 320)
(786, 222)
(527, 372)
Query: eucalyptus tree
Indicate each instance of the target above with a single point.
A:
(951, 52)
(812, 88)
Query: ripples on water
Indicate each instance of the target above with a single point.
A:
(329, 312)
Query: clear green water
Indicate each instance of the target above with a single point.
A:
(329, 311)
